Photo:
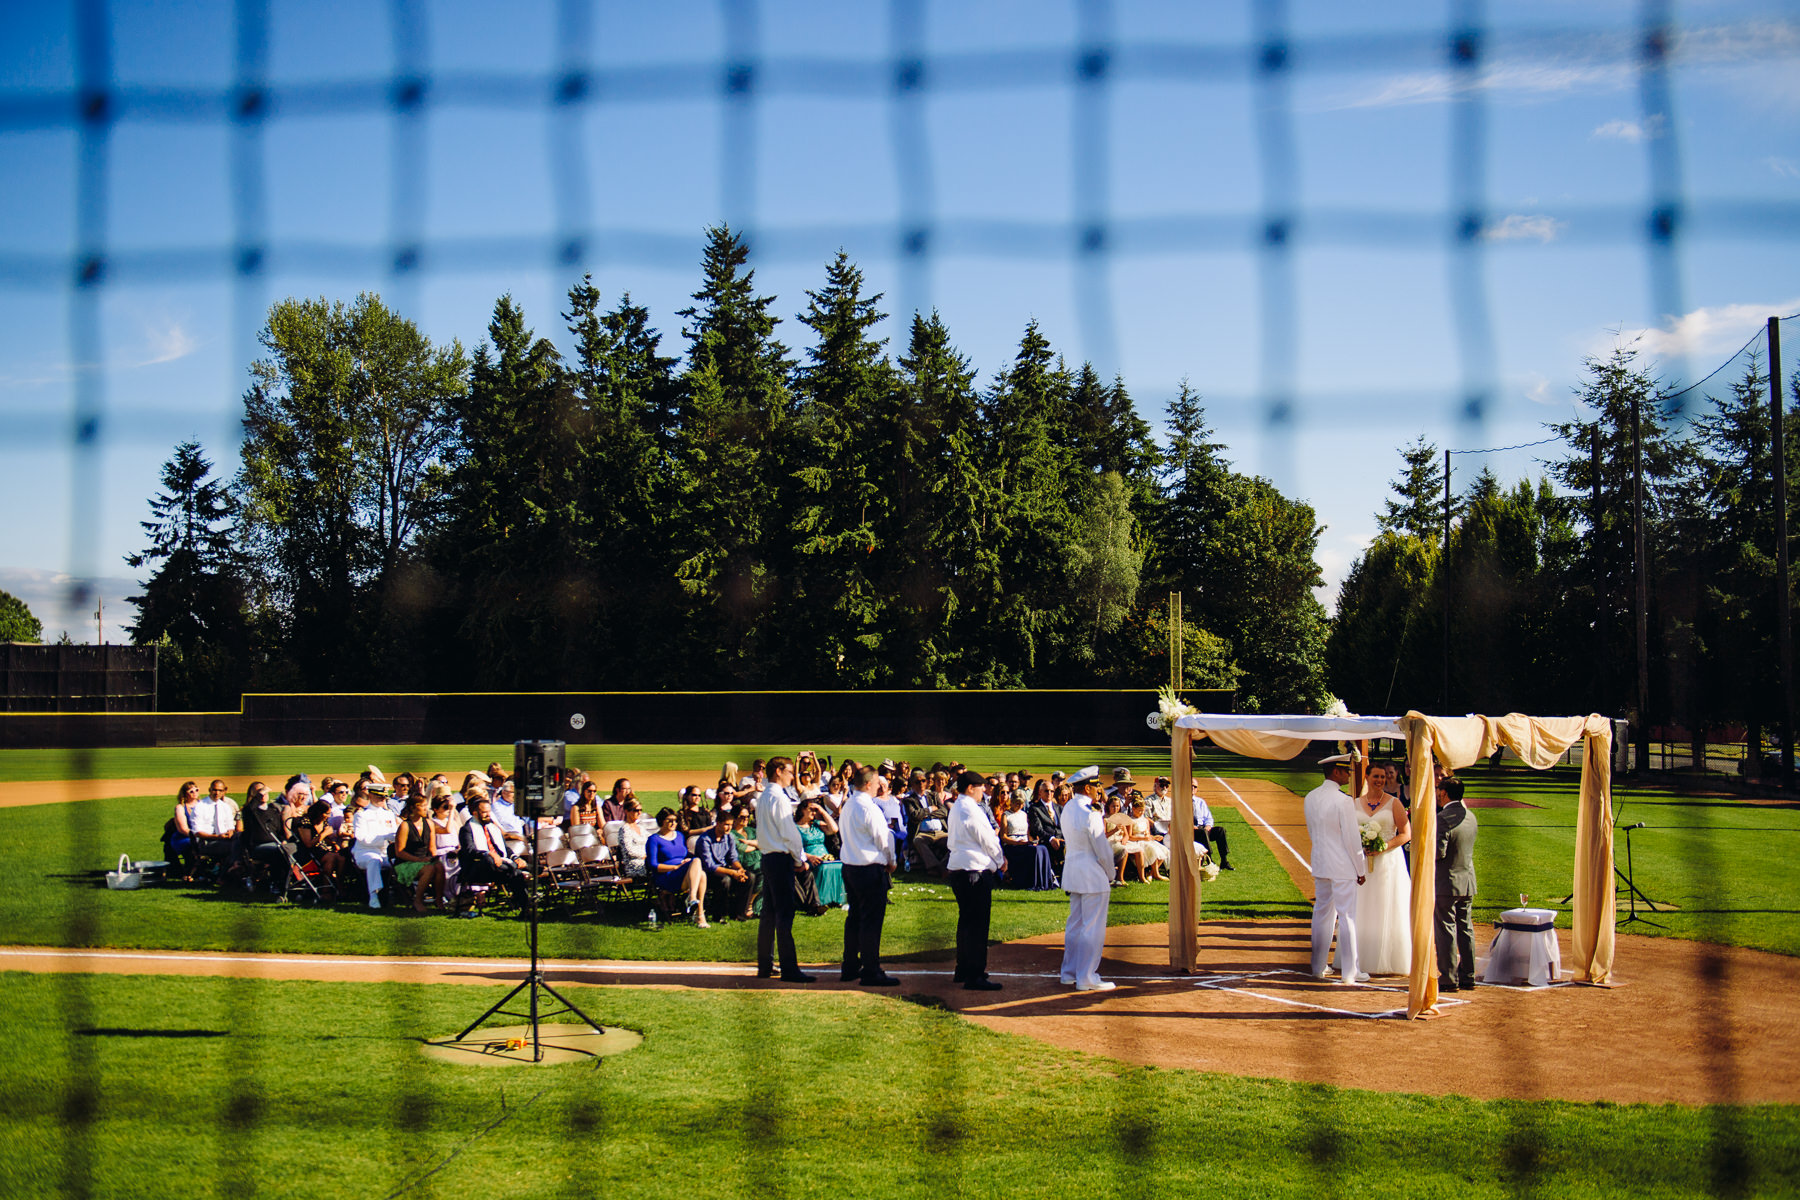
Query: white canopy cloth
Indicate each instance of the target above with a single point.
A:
(1454, 742)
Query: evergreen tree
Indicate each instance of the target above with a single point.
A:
(1025, 621)
(1419, 507)
(193, 604)
(836, 497)
(513, 555)
(734, 400)
(1381, 652)
(944, 562)
(1615, 384)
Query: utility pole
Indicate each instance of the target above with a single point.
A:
(1443, 564)
(99, 621)
(1784, 594)
(1643, 585)
(1177, 669)
(1602, 667)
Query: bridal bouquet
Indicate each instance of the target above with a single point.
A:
(1169, 708)
(1372, 841)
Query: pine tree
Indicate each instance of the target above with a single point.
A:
(194, 603)
(836, 498)
(944, 564)
(1419, 509)
(725, 480)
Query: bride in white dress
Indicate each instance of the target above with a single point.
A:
(1384, 901)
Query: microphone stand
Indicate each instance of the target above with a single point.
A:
(1632, 892)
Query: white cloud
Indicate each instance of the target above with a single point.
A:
(50, 596)
(1787, 168)
(1522, 227)
(1538, 392)
(1708, 333)
(1631, 131)
(1604, 62)
(169, 340)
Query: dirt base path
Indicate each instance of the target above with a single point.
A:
(19, 793)
(1720, 1020)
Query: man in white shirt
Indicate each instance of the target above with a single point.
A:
(215, 823)
(1338, 869)
(779, 840)
(973, 867)
(1088, 878)
(868, 854)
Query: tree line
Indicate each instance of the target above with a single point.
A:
(1529, 604)
(410, 515)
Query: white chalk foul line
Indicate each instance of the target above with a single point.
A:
(1245, 805)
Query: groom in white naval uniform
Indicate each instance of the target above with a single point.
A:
(1338, 869)
(1087, 876)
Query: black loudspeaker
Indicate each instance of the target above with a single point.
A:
(539, 778)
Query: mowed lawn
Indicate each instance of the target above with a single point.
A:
(228, 1088)
(55, 857)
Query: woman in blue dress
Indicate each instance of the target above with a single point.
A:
(669, 864)
(828, 874)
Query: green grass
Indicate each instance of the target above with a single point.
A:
(54, 859)
(1728, 865)
(130, 1087)
(278, 762)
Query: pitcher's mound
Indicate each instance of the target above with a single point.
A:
(510, 1045)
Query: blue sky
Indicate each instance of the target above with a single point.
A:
(1005, 178)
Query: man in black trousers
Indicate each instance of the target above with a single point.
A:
(869, 859)
(1455, 932)
(779, 840)
(974, 867)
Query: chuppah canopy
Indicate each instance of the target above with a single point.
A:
(1454, 742)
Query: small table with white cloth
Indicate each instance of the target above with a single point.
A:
(1524, 948)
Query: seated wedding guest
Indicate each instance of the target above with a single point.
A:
(413, 849)
(693, 817)
(212, 825)
(372, 832)
(483, 856)
(827, 872)
(613, 808)
(1118, 832)
(1042, 819)
(264, 832)
(182, 844)
(673, 869)
(743, 832)
(406, 787)
(1154, 852)
(296, 796)
(1207, 832)
(586, 809)
(573, 794)
(928, 820)
(496, 774)
(336, 793)
(726, 875)
(475, 779)
(315, 841)
(440, 873)
(1027, 861)
(632, 841)
(505, 815)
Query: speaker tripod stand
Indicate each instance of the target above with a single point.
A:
(534, 981)
(1633, 893)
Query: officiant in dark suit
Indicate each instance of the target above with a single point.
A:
(1455, 921)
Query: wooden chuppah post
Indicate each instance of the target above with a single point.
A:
(1421, 790)
(1184, 863)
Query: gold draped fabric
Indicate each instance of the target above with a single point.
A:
(1459, 742)
(1252, 744)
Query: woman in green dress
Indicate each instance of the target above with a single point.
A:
(828, 873)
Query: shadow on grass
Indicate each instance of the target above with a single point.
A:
(91, 1032)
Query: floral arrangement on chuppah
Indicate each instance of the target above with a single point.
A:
(1169, 709)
